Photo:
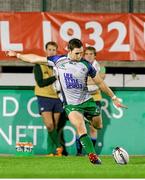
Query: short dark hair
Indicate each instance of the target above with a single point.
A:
(90, 48)
(51, 43)
(74, 43)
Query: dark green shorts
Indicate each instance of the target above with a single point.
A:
(88, 108)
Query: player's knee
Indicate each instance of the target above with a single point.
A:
(81, 130)
(50, 127)
(98, 126)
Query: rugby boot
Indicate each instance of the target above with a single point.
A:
(94, 159)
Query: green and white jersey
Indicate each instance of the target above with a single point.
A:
(73, 78)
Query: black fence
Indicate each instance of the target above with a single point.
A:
(98, 6)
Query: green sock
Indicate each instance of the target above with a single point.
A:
(50, 145)
(54, 136)
(87, 144)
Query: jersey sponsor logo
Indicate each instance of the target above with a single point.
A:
(62, 66)
(72, 82)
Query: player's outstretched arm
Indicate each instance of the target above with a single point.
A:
(30, 58)
(103, 86)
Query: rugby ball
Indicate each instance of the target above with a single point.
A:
(120, 155)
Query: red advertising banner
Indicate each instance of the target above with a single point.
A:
(115, 36)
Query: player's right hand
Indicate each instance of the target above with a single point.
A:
(11, 53)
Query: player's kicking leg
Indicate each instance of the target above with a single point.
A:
(77, 119)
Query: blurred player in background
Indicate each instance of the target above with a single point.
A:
(50, 106)
(73, 72)
(90, 56)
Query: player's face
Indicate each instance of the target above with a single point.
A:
(76, 54)
(89, 56)
(51, 50)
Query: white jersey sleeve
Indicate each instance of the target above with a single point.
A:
(93, 88)
(96, 65)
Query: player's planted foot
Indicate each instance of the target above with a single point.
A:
(94, 158)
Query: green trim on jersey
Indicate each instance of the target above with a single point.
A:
(86, 63)
(102, 70)
(88, 108)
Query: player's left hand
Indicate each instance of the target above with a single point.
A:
(118, 103)
(11, 53)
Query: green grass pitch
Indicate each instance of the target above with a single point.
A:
(69, 167)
